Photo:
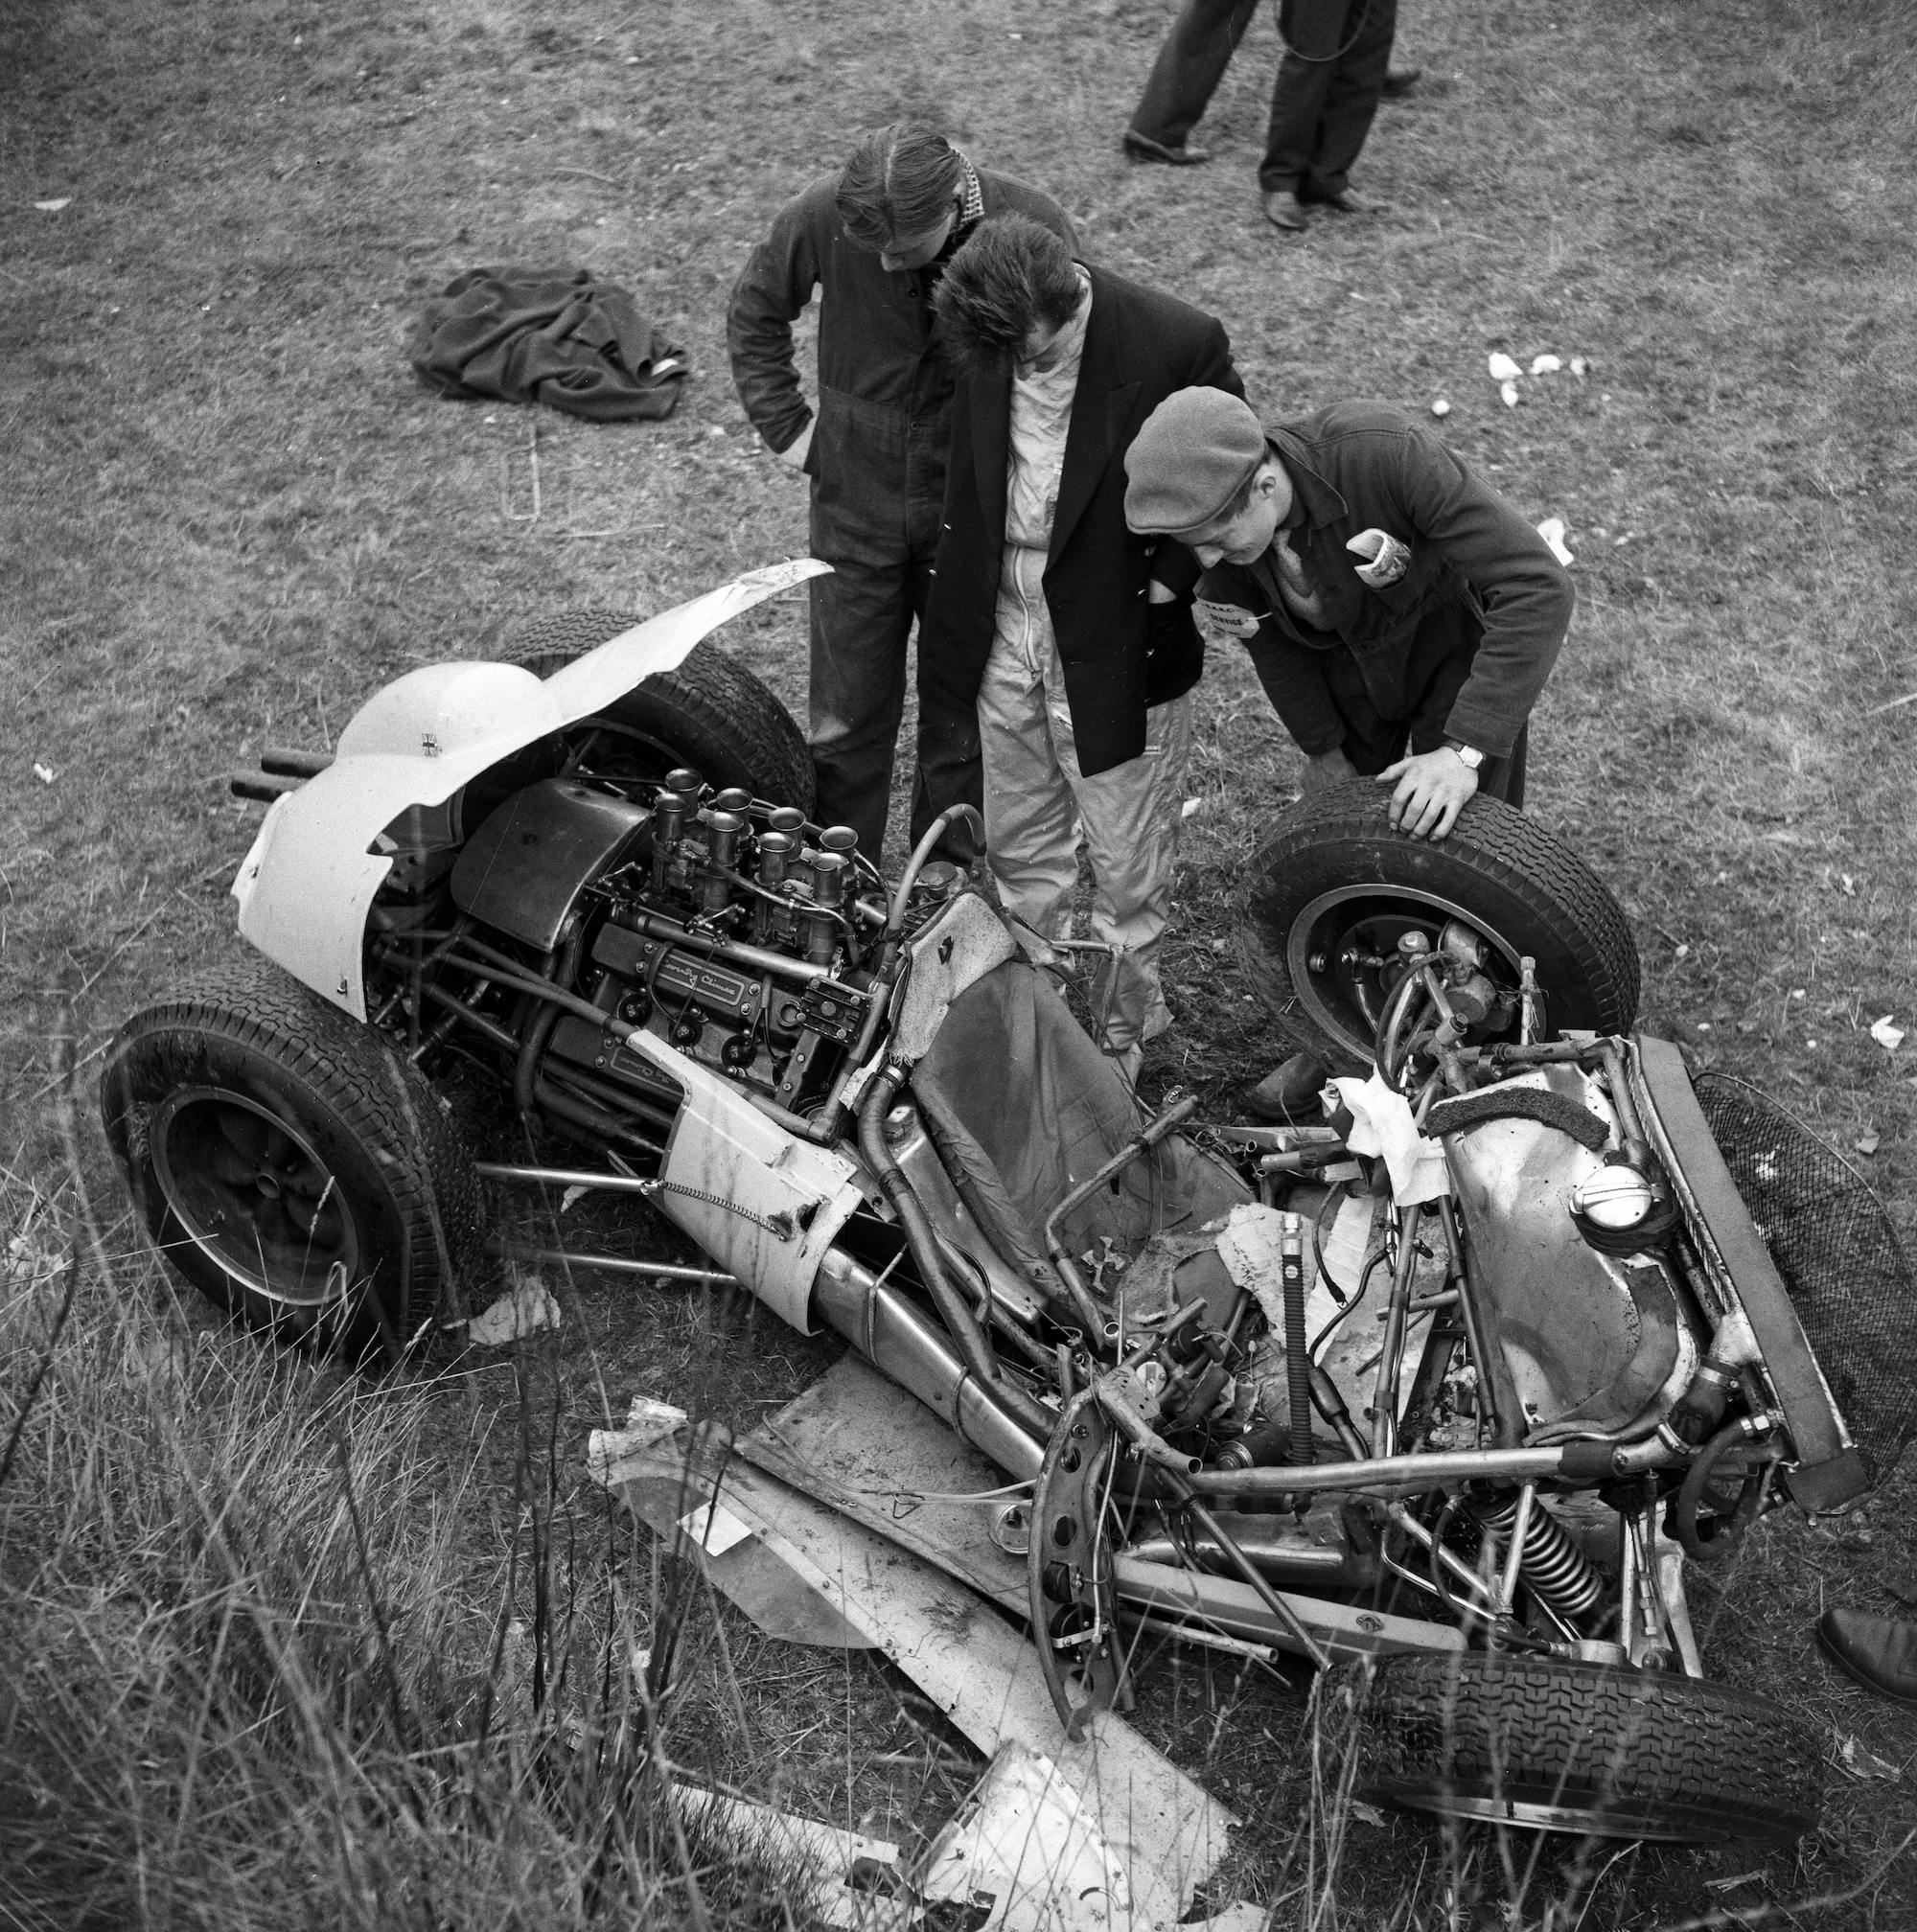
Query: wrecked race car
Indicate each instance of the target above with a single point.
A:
(1445, 1393)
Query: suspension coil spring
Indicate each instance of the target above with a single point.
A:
(1555, 1570)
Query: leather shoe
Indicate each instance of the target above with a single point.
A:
(1399, 81)
(1350, 201)
(1282, 209)
(1289, 1092)
(1880, 1653)
(1143, 148)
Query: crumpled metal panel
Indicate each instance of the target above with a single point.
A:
(961, 944)
(1585, 1338)
(305, 887)
(524, 870)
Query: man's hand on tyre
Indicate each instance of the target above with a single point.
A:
(792, 456)
(1433, 788)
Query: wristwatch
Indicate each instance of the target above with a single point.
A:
(1469, 754)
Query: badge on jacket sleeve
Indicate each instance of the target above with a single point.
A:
(1225, 620)
(1385, 559)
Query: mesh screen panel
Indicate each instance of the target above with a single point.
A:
(1841, 1261)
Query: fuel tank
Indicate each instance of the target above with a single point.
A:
(1594, 1341)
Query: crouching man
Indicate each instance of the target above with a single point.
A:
(1073, 638)
(1401, 616)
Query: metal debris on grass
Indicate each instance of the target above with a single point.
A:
(525, 1311)
(1866, 1766)
(646, 1422)
(848, 1879)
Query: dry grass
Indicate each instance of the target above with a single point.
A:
(230, 513)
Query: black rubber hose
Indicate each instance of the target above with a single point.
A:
(961, 1323)
(539, 1030)
(1296, 1362)
(1688, 1505)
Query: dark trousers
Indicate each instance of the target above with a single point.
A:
(881, 554)
(1437, 663)
(1320, 107)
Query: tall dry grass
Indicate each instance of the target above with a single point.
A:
(271, 1662)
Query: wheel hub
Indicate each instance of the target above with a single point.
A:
(250, 1191)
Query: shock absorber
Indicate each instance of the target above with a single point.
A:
(1554, 1568)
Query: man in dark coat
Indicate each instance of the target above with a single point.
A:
(1401, 616)
(1073, 638)
(872, 240)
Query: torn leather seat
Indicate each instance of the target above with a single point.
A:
(1023, 1107)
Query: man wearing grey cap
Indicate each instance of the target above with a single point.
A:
(1401, 616)
(1399, 613)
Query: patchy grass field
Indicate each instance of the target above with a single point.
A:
(230, 513)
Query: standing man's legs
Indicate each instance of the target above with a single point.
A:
(948, 772)
(1131, 815)
(1316, 28)
(1031, 837)
(861, 617)
(1188, 70)
(1357, 85)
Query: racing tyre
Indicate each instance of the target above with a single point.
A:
(288, 1163)
(710, 713)
(1552, 1745)
(1333, 888)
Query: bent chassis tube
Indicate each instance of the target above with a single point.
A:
(898, 1341)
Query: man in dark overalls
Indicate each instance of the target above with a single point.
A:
(872, 241)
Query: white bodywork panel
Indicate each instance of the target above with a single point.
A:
(305, 887)
(961, 945)
(756, 1172)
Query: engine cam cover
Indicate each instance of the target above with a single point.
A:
(524, 868)
(1584, 1338)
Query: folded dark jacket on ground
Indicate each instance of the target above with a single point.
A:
(560, 336)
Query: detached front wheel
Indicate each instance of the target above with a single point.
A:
(287, 1162)
(1548, 1744)
(1334, 889)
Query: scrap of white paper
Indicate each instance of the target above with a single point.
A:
(1382, 1124)
(1502, 369)
(1891, 1038)
(714, 1528)
(1552, 530)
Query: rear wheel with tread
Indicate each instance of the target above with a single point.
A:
(708, 713)
(1333, 888)
(289, 1161)
(1549, 1745)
